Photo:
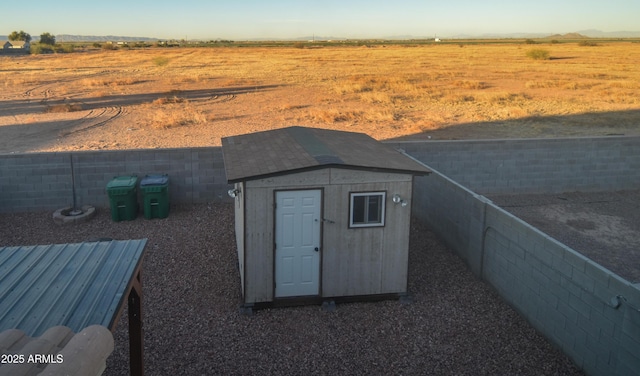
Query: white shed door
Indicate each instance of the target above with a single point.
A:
(297, 254)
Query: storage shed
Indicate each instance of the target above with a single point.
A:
(319, 215)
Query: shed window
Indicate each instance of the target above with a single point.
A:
(367, 209)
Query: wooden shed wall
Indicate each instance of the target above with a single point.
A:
(356, 261)
(239, 230)
(258, 264)
(365, 261)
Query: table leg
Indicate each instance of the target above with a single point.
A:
(136, 332)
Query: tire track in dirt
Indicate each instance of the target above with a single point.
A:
(89, 120)
(111, 113)
(223, 98)
(114, 112)
(47, 92)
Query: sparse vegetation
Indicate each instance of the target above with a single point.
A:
(37, 49)
(114, 83)
(388, 92)
(160, 61)
(538, 54)
(331, 116)
(468, 84)
(65, 107)
(64, 48)
(175, 112)
(587, 43)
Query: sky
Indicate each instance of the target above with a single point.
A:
(250, 19)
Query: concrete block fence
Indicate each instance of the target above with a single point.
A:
(591, 313)
(43, 181)
(534, 165)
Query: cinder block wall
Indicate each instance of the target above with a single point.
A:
(454, 213)
(588, 311)
(43, 181)
(534, 166)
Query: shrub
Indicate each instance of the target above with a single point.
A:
(66, 107)
(467, 84)
(109, 47)
(530, 41)
(41, 49)
(64, 48)
(160, 61)
(538, 54)
(587, 43)
(97, 45)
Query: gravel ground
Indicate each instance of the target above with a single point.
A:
(604, 226)
(456, 324)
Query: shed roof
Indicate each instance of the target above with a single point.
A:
(75, 285)
(294, 149)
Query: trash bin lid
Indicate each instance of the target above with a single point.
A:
(123, 182)
(154, 180)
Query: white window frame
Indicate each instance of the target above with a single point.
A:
(383, 204)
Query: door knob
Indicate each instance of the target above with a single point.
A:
(316, 249)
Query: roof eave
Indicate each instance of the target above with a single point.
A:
(319, 167)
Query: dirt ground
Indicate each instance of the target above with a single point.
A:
(166, 98)
(456, 324)
(602, 226)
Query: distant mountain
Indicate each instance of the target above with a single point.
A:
(576, 35)
(591, 33)
(496, 36)
(103, 38)
(568, 36)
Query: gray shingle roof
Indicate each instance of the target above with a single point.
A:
(294, 149)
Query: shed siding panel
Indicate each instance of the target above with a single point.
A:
(396, 242)
(259, 245)
(364, 261)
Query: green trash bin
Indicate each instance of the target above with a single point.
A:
(123, 197)
(155, 194)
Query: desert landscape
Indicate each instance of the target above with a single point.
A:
(192, 97)
(185, 97)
